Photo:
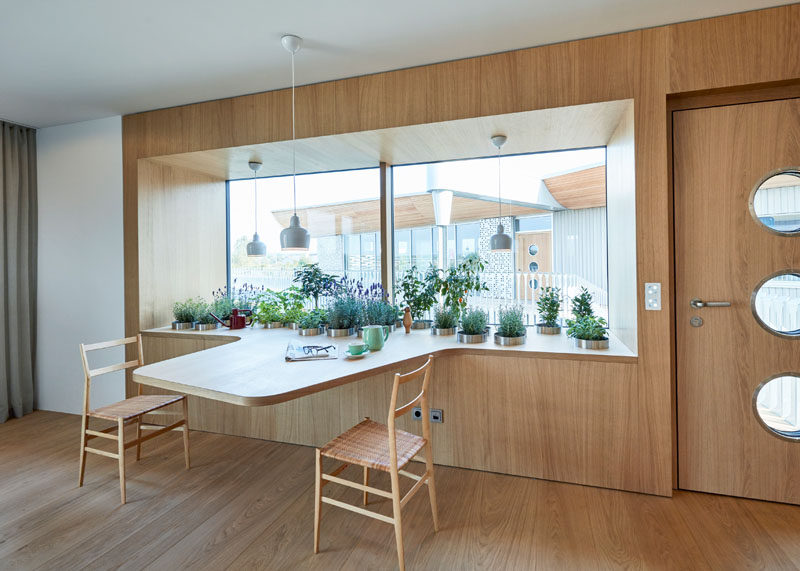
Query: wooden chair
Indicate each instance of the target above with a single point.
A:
(125, 413)
(373, 445)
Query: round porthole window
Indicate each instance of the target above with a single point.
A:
(776, 405)
(534, 284)
(775, 202)
(533, 249)
(776, 303)
(533, 267)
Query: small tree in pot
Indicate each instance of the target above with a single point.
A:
(459, 281)
(314, 282)
(549, 306)
(419, 295)
(588, 330)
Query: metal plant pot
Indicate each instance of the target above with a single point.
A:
(421, 324)
(273, 325)
(292, 325)
(181, 325)
(311, 331)
(479, 338)
(545, 330)
(592, 343)
(206, 326)
(341, 332)
(500, 340)
(443, 331)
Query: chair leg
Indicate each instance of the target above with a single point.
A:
(121, 453)
(186, 431)
(398, 524)
(317, 500)
(366, 483)
(432, 487)
(138, 438)
(82, 465)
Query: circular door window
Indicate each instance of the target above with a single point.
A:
(534, 284)
(776, 303)
(533, 249)
(533, 267)
(775, 202)
(776, 405)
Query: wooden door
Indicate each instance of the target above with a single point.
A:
(543, 241)
(722, 253)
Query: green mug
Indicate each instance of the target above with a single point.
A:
(375, 336)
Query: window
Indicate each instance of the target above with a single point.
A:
(775, 203)
(776, 404)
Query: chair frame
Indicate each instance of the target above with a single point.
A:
(108, 433)
(322, 478)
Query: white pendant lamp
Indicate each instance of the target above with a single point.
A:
(499, 242)
(256, 247)
(295, 238)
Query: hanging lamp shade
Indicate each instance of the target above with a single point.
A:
(295, 238)
(500, 241)
(256, 248)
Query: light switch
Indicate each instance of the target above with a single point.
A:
(652, 296)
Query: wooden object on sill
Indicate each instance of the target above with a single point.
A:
(407, 320)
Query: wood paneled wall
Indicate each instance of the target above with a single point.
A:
(646, 66)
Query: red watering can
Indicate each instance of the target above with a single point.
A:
(238, 320)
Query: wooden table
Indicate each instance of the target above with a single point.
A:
(252, 370)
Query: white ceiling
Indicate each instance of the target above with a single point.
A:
(62, 62)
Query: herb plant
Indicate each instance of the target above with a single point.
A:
(587, 327)
(582, 304)
(417, 294)
(445, 318)
(474, 321)
(205, 318)
(312, 319)
(459, 281)
(189, 310)
(314, 282)
(345, 312)
(549, 305)
(510, 322)
(268, 308)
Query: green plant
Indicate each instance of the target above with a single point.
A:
(314, 282)
(189, 310)
(222, 307)
(268, 308)
(445, 318)
(292, 301)
(459, 281)
(293, 315)
(587, 327)
(377, 312)
(417, 294)
(474, 321)
(206, 318)
(346, 312)
(311, 320)
(582, 304)
(549, 305)
(510, 322)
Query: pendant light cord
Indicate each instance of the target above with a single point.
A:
(294, 147)
(499, 201)
(255, 200)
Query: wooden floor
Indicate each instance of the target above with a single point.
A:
(248, 504)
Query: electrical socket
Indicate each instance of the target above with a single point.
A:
(437, 414)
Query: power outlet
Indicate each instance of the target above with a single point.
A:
(437, 414)
(652, 296)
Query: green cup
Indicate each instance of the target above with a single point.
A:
(375, 336)
(356, 348)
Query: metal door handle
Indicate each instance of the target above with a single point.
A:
(698, 303)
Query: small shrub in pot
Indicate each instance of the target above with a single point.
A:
(511, 327)
(474, 326)
(445, 321)
(549, 306)
(187, 312)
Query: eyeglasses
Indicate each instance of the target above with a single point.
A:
(316, 349)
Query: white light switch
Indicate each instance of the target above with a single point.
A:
(652, 296)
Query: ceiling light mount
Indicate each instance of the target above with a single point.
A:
(498, 141)
(292, 43)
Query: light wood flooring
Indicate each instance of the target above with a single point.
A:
(248, 504)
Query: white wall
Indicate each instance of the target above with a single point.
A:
(80, 282)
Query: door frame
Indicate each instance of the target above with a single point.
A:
(757, 93)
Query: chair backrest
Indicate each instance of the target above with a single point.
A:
(89, 374)
(422, 398)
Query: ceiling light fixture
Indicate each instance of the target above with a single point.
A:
(500, 242)
(256, 247)
(295, 238)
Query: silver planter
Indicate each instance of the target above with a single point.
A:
(479, 338)
(311, 331)
(273, 325)
(206, 326)
(545, 330)
(341, 332)
(292, 326)
(592, 343)
(443, 331)
(421, 324)
(500, 340)
(181, 325)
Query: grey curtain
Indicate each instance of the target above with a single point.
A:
(18, 213)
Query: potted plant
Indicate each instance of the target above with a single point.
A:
(292, 302)
(445, 321)
(419, 295)
(268, 311)
(378, 312)
(582, 304)
(222, 305)
(311, 323)
(511, 327)
(206, 321)
(314, 282)
(344, 316)
(549, 306)
(459, 281)
(474, 327)
(187, 312)
(588, 331)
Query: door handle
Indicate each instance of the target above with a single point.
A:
(698, 303)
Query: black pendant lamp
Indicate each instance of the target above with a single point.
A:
(256, 248)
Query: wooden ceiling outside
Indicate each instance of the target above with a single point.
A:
(580, 189)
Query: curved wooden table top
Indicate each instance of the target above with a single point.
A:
(252, 370)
